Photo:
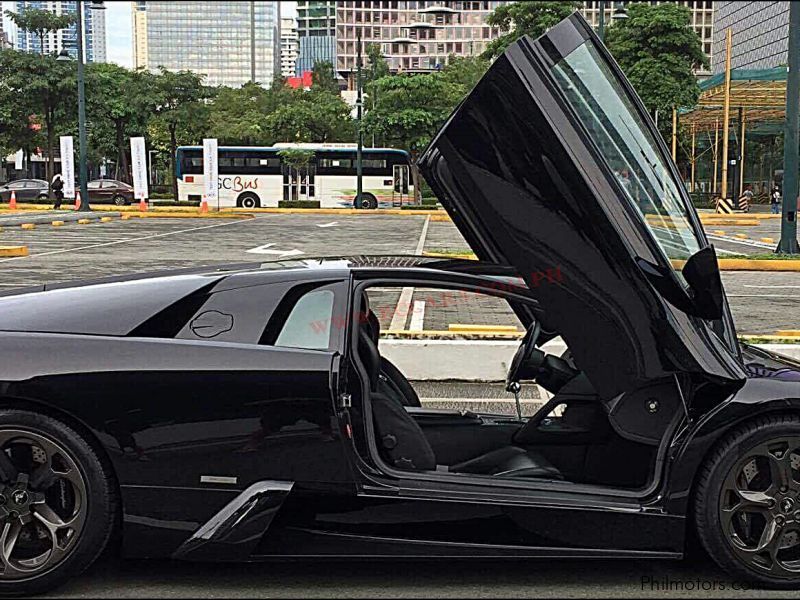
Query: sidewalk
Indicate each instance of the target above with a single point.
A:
(37, 217)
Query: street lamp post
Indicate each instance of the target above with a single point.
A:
(82, 167)
(619, 13)
(360, 112)
(791, 160)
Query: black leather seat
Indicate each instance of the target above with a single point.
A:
(390, 377)
(403, 444)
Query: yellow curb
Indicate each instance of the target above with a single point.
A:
(106, 219)
(788, 332)
(741, 236)
(734, 222)
(126, 217)
(28, 226)
(84, 221)
(57, 223)
(440, 218)
(452, 335)
(194, 215)
(718, 232)
(750, 264)
(453, 256)
(466, 328)
(13, 251)
(768, 240)
(345, 211)
(769, 338)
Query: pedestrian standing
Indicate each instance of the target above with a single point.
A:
(58, 190)
(775, 200)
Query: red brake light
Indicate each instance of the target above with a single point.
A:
(189, 179)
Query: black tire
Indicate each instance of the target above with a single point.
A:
(368, 202)
(735, 525)
(248, 200)
(88, 540)
(43, 197)
(119, 200)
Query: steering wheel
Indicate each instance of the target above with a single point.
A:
(523, 354)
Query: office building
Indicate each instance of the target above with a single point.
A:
(759, 34)
(316, 31)
(289, 47)
(414, 36)
(230, 43)
(94, 30)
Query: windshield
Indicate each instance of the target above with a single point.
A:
(629, 149)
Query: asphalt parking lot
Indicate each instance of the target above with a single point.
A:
(554, 578)
(762, 302)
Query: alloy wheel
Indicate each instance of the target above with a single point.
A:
(759, 507)
(42, 504)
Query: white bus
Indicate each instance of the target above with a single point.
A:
(253, 177)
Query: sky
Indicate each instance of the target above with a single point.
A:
(119, 30)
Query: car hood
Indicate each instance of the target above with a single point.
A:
(527, 185)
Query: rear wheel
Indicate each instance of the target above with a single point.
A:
(747, 504)
(57, 503)
(43, 197)
(119, 200)
(368, 202)
(248, 200)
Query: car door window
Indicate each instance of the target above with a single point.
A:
(309, 323)
(93, 185)
(628, 148)
(16, 185)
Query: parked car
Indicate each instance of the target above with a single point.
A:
(247, 413)
(110, 190)
(25, 190)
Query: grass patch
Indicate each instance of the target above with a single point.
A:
(764, 256)
(451, 251)
(298, 204)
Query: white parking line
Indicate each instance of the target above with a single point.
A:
(135, 239)
(417, 316)
(750, 243)
(404, 303)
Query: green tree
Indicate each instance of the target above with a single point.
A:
(323, 77)
(40, 22)
(181, 112)
(297, 159)
(45, 89)
(238, 116)
(317, 115)
(120, 104)
(658, 50)
(410, 110)
(518, 19)
(465, 71)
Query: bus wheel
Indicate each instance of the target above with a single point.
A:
(368, 202)
(248, 200)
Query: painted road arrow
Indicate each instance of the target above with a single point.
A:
(325, 225)
(267, 249)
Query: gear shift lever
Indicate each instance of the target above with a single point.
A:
(515, 388)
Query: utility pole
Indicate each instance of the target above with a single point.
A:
(360, 110)
(601, 24)
(791, 138)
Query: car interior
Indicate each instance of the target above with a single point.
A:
(574, 436)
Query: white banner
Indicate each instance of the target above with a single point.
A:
(68, 166)
(18, 160)
(210, 171)
(139, 167)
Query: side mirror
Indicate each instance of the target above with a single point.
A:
(701, 273)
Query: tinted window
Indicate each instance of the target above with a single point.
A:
(17, 185)
(309, 324)
(250, 162)
(93, 185)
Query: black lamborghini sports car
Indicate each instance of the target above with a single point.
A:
(247, 413)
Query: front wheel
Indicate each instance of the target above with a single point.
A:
(119, 200)
(747, 503)
(57, 504)
(43, 197)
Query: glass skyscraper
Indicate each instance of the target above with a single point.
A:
(94, 34)
(230, 43)
(316, 29)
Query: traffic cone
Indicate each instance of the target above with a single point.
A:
(143, 205)
(12, 203)
(204, 206)
(77, 200)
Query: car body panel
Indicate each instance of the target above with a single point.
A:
(25, 190)
(106, 190)
(518, 176)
